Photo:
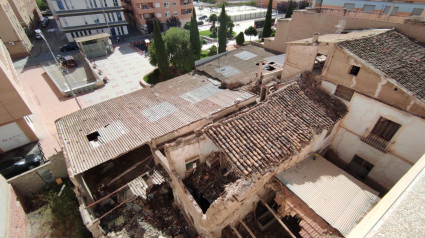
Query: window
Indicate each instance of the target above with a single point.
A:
(115, 2)
(119, 17)
(354, 70)
(165, 4)
(344, 92)
(385, 129)
(349, 6)
(387, 9)
(158, 15)
(368, 8)
(106, 5)
(174, 3)
(417, 11)
(359, 167)
(157, 5)
(176, 13)
(167, 14)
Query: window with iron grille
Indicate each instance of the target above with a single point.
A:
(385, 129)
(354, 70)
(359, 168)
(344, 92)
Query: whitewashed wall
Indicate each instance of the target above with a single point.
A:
(405, 148)
(12, 136)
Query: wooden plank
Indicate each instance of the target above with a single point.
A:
(235, 231)
(247, 228)
(277, 217)
(98, 201)
(128, 170)
(130, 198)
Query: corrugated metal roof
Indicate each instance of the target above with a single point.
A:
(138, 186)
(123, 127)
(332, 193)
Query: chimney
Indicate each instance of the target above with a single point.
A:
(316, 37)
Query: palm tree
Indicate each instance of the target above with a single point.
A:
(213, 18)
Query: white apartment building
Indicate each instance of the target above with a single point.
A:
(77, 18)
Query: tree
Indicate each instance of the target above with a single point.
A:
(213, 50)
(173, 21)
(42, 5)
(267, 29)
(222, 31)
(213, 31)
(213, 18)
(240, 39)
(179, 49)
(161, 52)
(290, 9)
(187, 26)
(251, 31)
(150, 24)
(195, 45)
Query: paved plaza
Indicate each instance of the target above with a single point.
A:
(124, 69)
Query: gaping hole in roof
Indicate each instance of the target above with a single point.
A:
(94, 136)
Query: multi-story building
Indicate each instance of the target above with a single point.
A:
(15, 127)
(141, 10)
(12, 33)
(393, 8)
(27, 13)
(379, 75)
(78, 18)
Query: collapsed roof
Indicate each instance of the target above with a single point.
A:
(112, 128)
(261, 138)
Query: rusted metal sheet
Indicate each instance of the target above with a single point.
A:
(128, 122)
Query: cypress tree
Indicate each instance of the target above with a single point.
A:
(195, 44)
(222, 31)
(267, 29)
(290, 10)
(161, 52)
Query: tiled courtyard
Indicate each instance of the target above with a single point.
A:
(124, 69)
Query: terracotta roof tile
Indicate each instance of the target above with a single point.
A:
(396, 56)
(272, 131)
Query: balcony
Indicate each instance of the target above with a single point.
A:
(186, 12)
(376, 142)
(93, 26)
(185, 3)
(358, 14)
(77, 12)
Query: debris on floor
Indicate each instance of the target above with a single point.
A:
(207, 183)
(154, 217)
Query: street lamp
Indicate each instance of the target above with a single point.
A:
(38, 31)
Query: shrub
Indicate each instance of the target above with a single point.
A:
(240, 38)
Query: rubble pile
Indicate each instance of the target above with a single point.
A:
(153, 217)
(206, 184)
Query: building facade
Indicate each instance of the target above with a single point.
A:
(78, 18)
(394, 8)
(12, 33)
(379, 75)
(27, 13)
(139, 11)
(15, 127)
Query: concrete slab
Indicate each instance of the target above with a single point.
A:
(124, 69)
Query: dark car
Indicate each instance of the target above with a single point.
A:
(19, 165)
(69, 47)
(203, 17)
(200, 23)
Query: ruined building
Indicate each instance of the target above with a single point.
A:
(284, 154)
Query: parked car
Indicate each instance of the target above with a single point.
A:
(200, 23)
(37, 35)
(19, 165)
(69, 47)
(67, 61)
(45, 22)
(203, 17)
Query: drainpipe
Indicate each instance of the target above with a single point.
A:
(389, 12)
